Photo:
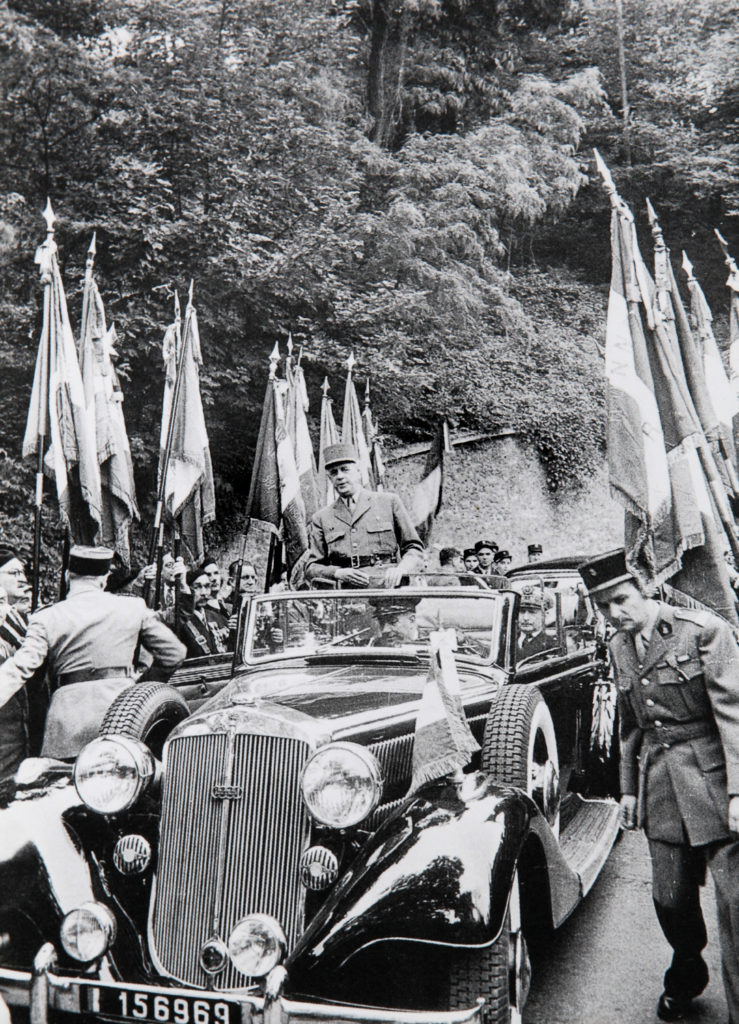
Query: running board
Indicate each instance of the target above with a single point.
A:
(586, 840)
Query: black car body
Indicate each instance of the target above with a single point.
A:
(274, 831)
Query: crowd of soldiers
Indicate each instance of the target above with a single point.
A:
(676, 673)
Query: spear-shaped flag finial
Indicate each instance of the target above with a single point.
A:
(325, 387)
(659, 240)
(190, 291)
(607, 178)
(290, 344)
(177, 313)
(367, 394)
(49, 217)
(688, 266)
(92, 247)
(274, 359)
(350, 363)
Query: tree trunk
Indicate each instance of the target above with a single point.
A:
(386, 69)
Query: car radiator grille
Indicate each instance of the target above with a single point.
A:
(255, 817)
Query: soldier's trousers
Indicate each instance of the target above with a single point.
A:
(678, 871)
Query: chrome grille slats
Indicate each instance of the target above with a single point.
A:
(396, 758)
(267, 827)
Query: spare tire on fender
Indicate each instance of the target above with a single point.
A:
(520, 747)
(147, 712)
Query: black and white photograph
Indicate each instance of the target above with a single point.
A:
(369, 511)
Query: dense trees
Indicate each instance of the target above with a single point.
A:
(379, 175)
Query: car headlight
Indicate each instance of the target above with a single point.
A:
(87, 932)
(112, 772)
(256, 945)
(342, 784)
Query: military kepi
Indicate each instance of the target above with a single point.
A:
(86, 561)
(605, 571)
(333, 454)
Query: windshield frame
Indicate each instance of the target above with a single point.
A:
(502, 604)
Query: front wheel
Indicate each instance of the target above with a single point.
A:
(500, 974)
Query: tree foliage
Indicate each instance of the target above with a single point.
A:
(369, 174)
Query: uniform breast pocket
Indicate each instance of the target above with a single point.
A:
(681, 680)
(335, 537)
(381, 534)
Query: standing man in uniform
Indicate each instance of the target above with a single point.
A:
(486, 551)
(361, 531)
(677, 673)
(88, 642)
(15, 714)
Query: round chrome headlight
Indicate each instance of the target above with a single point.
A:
(256, 945)
(112, 772)
(342, 784)
(87, 932)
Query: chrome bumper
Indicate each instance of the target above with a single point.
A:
(42, 990)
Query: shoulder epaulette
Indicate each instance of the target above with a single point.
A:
(694, 615)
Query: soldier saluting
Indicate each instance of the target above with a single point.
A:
(677, 673)
(88, 642)
(362, 531)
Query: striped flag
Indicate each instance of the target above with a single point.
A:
(297, 427)
(373, 441)
(58, 412)
(443, 741)
(189, 493)
(428, 492)
(274, 491)
(329, 435)
(352, 430)
(103, 391)
(723, 395)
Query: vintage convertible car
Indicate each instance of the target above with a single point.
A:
(247, 849)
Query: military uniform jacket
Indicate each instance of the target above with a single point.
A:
(377, 525)
(679, 714)
(90, 629)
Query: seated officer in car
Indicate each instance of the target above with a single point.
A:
(365, 537)
(532, 635)
(396, 618)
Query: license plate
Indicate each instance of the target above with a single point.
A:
(160, 1008)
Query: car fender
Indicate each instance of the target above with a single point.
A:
(438, 871)
(43, 872)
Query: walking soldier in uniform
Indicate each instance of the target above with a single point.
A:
(88, 642)
(677, 673)
(361, 531)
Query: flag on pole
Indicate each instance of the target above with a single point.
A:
(352, 431)
(723, 395)
(733, 285)
(58, 411)
(654, 436)
(103, 392)
(274, 492)
(296, 408)
(428, 492)
(443, 741)
(373, 441)
(189, 492)
(688, 421)
(329, 435)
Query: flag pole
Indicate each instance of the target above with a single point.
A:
(705, 455)
(274, 542)
(157, 536)
(46, 280)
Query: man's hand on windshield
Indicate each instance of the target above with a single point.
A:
(393, 576)
(354, 576)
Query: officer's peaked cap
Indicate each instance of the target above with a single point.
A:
(389, 607)
(469, 552)
(605, 571)
(534, 549)
(490, 544)
(336, 453)
(87, 561)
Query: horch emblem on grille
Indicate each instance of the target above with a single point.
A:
(222, 791)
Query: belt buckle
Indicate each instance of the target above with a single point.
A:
(354, 561)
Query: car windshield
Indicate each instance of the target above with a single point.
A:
(373, 622)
